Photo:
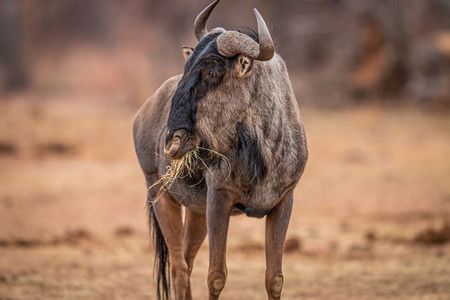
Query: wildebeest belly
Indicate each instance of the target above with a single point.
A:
(256, 203)
(194, 198)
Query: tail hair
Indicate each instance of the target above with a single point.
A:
(162, 263)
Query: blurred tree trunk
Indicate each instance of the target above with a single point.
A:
(381, 65)
(397, 76)
(10, 33)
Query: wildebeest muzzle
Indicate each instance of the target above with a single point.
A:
(179, 143)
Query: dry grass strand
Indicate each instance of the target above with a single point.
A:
(181, 168)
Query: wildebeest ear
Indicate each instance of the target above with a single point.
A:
(244, 66)
(187, 51)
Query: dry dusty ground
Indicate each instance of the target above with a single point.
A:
(73, 221)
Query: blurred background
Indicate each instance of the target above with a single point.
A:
(355, 51)
(372, 211)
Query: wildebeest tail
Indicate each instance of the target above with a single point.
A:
(162, 264)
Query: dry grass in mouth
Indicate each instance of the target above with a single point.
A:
(183, 167)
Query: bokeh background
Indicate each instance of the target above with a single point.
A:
(371, 217)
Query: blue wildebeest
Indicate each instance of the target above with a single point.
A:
(235, 98)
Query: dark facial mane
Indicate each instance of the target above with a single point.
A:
(203, 72)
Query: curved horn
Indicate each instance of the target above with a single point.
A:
(200, 22)
(231, 43)
(266, 48)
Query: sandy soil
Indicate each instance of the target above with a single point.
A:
(368, 222)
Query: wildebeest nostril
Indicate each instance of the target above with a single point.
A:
(178, 135)
(173, 147)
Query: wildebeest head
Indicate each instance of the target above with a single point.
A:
(219, 56)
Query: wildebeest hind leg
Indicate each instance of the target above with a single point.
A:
(170, 221)
(194, 234)
(276, 226)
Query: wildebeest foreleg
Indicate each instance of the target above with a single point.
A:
(276, 226)
(169, 218)
(218, 215)
(194, 234)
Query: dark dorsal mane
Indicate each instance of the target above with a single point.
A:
(250, 32)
